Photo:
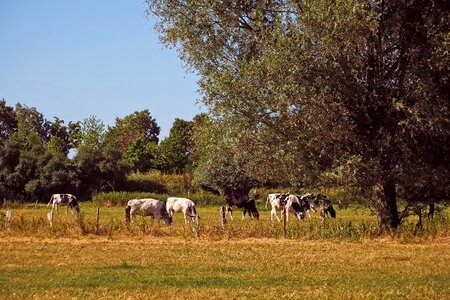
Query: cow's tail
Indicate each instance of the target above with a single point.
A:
(51, 199)
(128, 214)
(253, 211)
(332, 211)
(194, 213)
(267, 200)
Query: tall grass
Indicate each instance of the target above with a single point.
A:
(353, 224)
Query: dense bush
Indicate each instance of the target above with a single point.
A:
(155, 182)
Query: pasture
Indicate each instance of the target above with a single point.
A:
(248, 259)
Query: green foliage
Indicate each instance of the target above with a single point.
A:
(174, 152)
(100, 171)
(139, 124)
(57, 145)
(141, 156)
(29, 121)
(91, 133)
(148, 182)
(8, 122)
(305, 93)
(222, 158)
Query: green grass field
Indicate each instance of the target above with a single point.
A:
(342, 259)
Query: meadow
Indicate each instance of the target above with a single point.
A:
(341, 259)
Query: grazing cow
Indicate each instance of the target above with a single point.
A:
(293, 205)
(147, 207)
(183, 205)
(326, 207)
(241, 201)
(276, 202)
(308, 203)
(64, 199)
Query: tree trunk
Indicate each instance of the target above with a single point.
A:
(387, 206)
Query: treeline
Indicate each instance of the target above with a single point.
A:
(35, 163)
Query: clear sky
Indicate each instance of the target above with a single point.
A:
(73, 59)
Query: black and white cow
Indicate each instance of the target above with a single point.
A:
(147, 207)
(241, 201)
(293, 205)
(277, 202)
(308, 203)
(326, 207)
(64, 199)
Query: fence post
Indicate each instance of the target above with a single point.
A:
(50, 217)
(8, 217)
(97, 225)
(223, 217)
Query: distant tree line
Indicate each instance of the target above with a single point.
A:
(34, 152)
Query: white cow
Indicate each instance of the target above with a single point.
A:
(64, 199)
(147, 207)
(275, 201)
(183, 205)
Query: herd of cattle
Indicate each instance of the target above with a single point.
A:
(299, 205)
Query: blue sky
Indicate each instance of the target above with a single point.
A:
(73, 59)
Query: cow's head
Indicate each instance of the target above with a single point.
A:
(168, 220)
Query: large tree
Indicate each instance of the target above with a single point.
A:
(173, 155)
(351, 90)
(220, 163)
(8, 122)
(139, 124)
(136, 137)
(92, 133)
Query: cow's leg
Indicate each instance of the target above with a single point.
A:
(133, 213)
(230, 211)
(274, 213)
(186, 219)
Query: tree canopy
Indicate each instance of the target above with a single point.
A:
(352, 92)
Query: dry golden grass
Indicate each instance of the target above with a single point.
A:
(170, 268)
(248, 259)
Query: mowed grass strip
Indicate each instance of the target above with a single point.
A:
(167, 268)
